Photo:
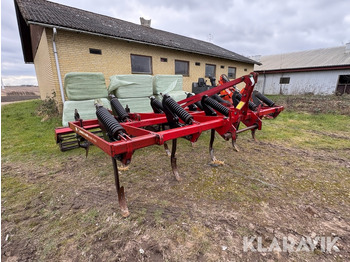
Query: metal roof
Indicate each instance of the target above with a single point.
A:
(319, 58)
(51, 14)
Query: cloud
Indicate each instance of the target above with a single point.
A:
(347, 20)
(246, 27)
(15, 80)
(13, 69)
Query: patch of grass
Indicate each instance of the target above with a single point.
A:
(24, 136)
(90, 217)
(158, 214)
(323, 131)
(15, 192)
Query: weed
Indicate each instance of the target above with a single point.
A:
(48, 108)
(91, 216)
(158, 216)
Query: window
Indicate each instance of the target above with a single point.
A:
(343, 86)
(197, 63)
(95, 51)
(284, 80)
(231, 73)
(210, 70)
(181, 68)
(163, 59)
(141, 64)
(222, 67)
(344, 80)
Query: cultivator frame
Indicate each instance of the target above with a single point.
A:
(223, 121)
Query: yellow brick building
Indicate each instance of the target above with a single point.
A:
(88, 42)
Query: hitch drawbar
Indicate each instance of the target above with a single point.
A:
(119, 133)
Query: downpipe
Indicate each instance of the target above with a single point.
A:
(57, 64)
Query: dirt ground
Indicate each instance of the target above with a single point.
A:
(69, 210)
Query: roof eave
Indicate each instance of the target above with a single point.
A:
(303, 69)
(24, 33)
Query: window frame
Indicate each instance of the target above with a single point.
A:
(144, 56)
(284, 80)
(228, 73)
(206, 75)
(188, 67)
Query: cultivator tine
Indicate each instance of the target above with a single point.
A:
(234, 144)
(252, 128)
(211, 149)
(167, 151)
(253, 134)
(87, 150)
(173, 161)
(120, 191)
(86, 146)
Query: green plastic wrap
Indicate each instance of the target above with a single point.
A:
(127, 86)
(85, 86)
(137, 105)
(167, 83)
(86, 109)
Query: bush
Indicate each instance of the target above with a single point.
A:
(48, 108)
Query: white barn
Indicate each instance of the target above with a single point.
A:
(322, 71)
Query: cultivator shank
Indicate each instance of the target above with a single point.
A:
(123, 133)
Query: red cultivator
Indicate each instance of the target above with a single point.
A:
(124, 132)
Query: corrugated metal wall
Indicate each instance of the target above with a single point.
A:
(318, 82)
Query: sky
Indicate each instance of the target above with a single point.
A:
(254, 27)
